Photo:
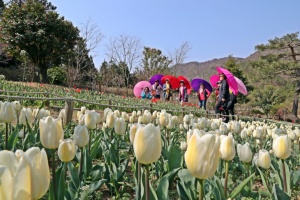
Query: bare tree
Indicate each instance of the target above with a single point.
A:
(125, 51)
(81, 58)
(179, 55)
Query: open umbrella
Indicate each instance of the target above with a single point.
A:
(139, 88)
(214, 80)
(241, 86)
(186, 83)
(156, 77)
(196, 82)
(173, 81)
(230, 79)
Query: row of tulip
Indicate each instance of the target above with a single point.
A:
(197, 155)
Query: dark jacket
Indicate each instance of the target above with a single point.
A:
(184, 96)
(224, 91)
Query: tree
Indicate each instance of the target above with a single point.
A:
(35, 27)
(124, 50)
(179, 55)
(154, 62)
(234, 68)
(281, 57)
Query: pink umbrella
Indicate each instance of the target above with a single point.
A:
(241, 86)
(230, 79)
(139, 88)
(214, 79)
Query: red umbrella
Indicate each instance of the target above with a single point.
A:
(230, 79)
(139, 88)
(172, 79)
(186, 83)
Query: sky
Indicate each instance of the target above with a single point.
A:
(213, 28)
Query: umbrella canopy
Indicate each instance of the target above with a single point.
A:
(214, 80)
(196, 82)
(241, 86)
(186, 83)
(173, 81)
(139, 88)
(230, 79)
(156, 77)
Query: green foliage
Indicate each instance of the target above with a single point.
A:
(267, 97)
(56, 75)
(234, 68)
(155, 62)
(35, 27)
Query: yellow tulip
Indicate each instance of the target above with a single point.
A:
(202, 155)
(81, 136)
(17, 106)
(40, 173)
(7, 112)
(147, 118)
(227, 148)
(131, 119)
(282, 147)
(110, 120)
(125, 116)
(62, 115)
(19, 153)
(15, 177)
(66, 150)
(244, 152)
(117, 113)
(147, 144)
(51, 132)
(133, 114)
(264, 160)
(187, 119)
(106, 112)
(163, 119)
(81, 119)
(139, 113)
(26, 113)
(132, 132)
(120, 126)
(90, 119)
(244, 133)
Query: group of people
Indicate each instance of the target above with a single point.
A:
(225, 97)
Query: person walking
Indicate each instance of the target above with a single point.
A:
(167, 90)
(231, 102)
(203, 95)
(223, 97)
(156, 90)
(183, 96)
(146, 94)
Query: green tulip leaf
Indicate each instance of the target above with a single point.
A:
(13, 139)
(287, 175)
(96, 185)
(239, 188)
(87, 164)
(74, 175)
(96, 150)
(295, 177)
(279, 194)
(219, 189)
(175, 158)
(97, 172)
(163, 186)
(61, 187)
(264, 181)
(182, 191)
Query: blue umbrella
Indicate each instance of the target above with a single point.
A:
(196, 82)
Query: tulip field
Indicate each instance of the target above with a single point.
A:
(135, 152)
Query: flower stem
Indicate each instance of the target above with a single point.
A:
(284, 176)
(111, 134)
(226, 177)
(90, 142)
(267, 181)
(147, 183)
(53, 174)
(6, 136)
(201, 189)
(81, 165)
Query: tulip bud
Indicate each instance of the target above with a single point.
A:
(7, 112)
(117, 113)
(257, 133)
(83, 109)
(147, 118)
(202, 155)
(154, 115)
(147, 144)
(140, 120)
(125, 116)
(264, 160)
(62, 115)
(120, 126)
(139, 113)
(163, 119)
(183, 146)
(187, 119)
(133, 114)
(81, 119)
(17, 106)
(244, 133)
(214, 126)
(244, 153)
(282, 147)
(40, 173)
(25, 114)
(51, 132)
(90, 119)
(21, 133)
(105, 113)
(227, 148)
(223, 128)
(81, 136)
(110, 120)
(19, 153)
(66, 150)
(133, 130)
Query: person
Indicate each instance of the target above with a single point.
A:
(203, 95)
(231, 102)
(146, 94)
(183, 96)
(156, 90)
(167, 90)
(223, 97)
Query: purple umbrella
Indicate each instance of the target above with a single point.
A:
(156, 77)
(196, 82)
